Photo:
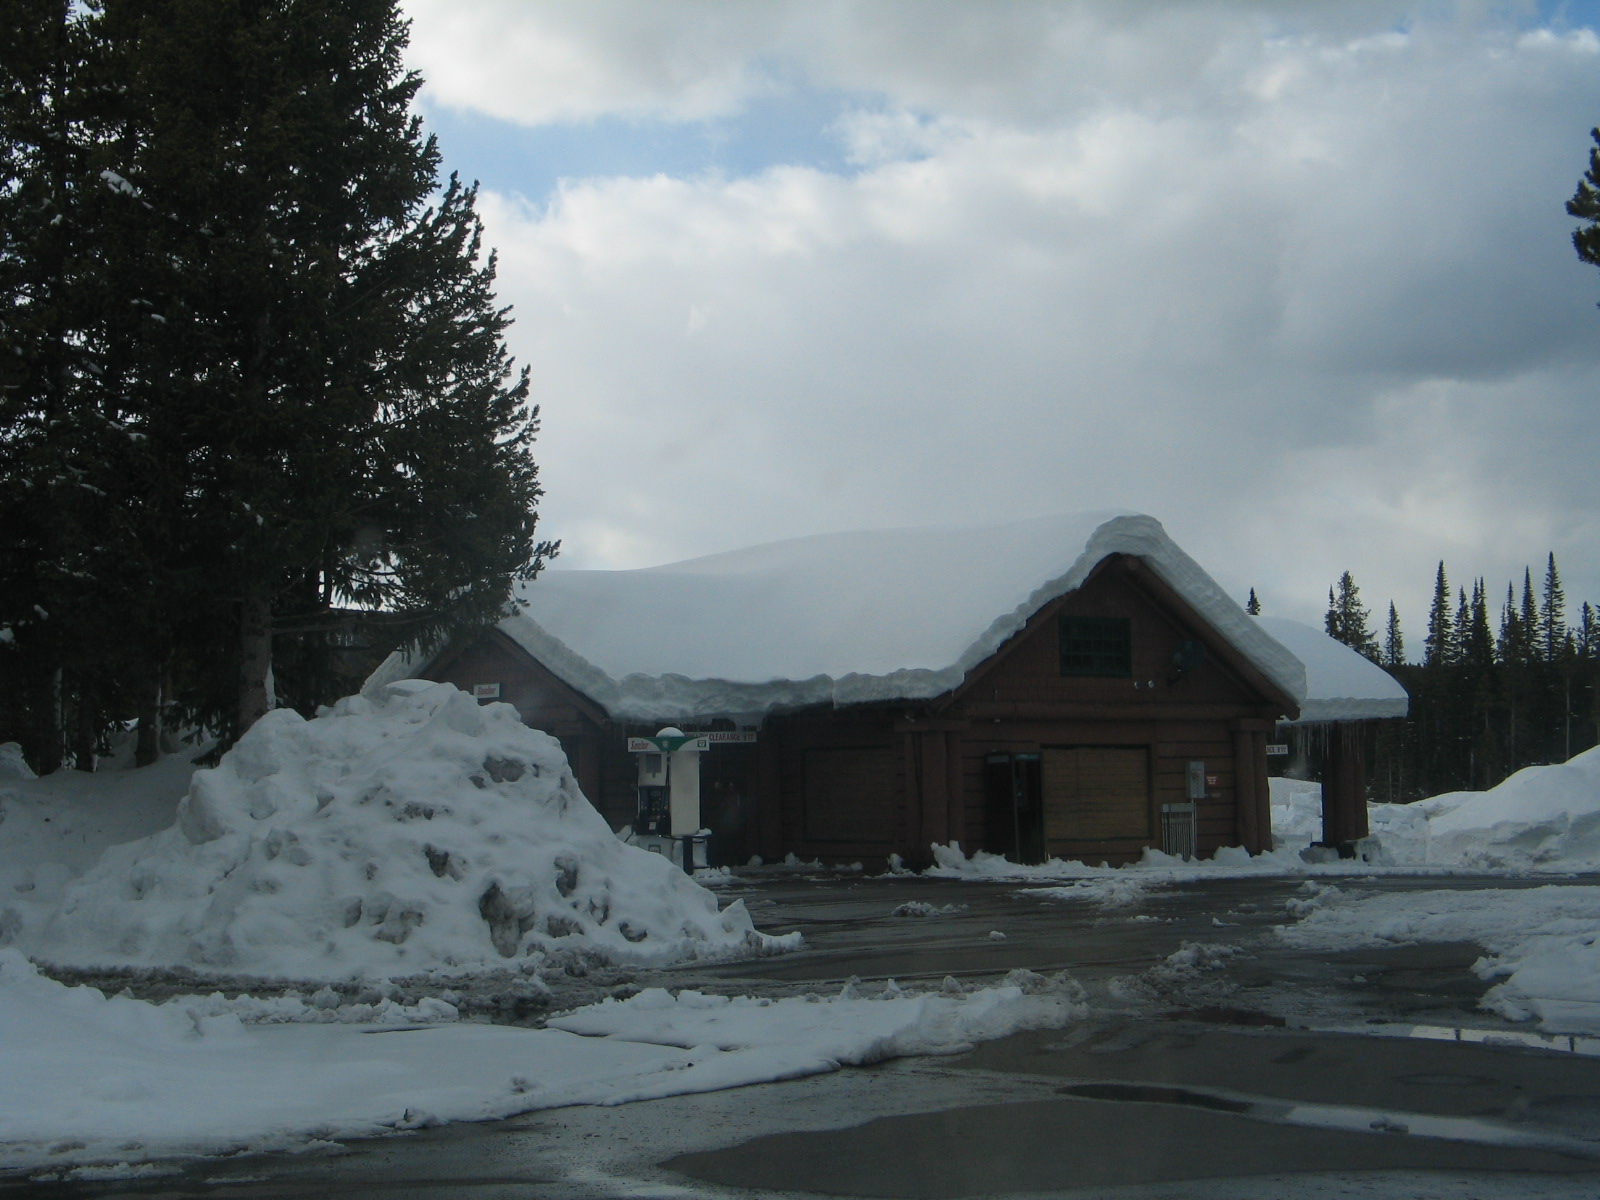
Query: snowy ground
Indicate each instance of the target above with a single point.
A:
(421, 835)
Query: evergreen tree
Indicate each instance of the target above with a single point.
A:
(1529, 618)
(1394, 643)
(1462, 625)
(1439, 646)
(1346, 619)
(1477, 642)
(1253, 605)
(1553, 636)
(1585, 205)
(297, 380)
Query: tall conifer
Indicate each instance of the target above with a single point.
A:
(1439, 646)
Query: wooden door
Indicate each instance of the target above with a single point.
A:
(1094, 795)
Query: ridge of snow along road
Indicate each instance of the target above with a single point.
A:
(91, 1085)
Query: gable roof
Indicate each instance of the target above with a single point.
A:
(1341, 685)
(839, 618)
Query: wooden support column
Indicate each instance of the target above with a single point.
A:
(955, 792)
(1344, 784)
(1247, 812)
(933, 773)
(768, 798)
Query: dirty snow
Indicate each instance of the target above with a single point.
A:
(836, 618)
(92, 1080)
(1541, 942)
(408, 832)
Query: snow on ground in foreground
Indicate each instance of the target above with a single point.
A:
(413, 831)
(1541, 941)
(87, 1079)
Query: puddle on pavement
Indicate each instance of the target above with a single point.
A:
(1588, 1047)
(1347, 1118)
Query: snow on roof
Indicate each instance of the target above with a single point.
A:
(1341, 685)
(836, 618)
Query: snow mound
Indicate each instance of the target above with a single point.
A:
(405, 832)
(1539, 817)
(12, 764)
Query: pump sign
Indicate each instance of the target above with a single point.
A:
(668, 745)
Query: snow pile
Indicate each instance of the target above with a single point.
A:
(1542, 941)
(12, 764)
(53, 829)
(1121, 892)
(1541, 818)
(1296, 813)
(802, 1035)
(89, 1080)
(839, 618)
(407, 832)
(1152, 870)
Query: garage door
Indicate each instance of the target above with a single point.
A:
(1096, 794)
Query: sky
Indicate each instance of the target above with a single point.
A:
(1296, 279)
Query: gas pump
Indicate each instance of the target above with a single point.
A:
(655, 808)
(669, 796)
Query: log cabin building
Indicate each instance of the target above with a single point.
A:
(1074, 687)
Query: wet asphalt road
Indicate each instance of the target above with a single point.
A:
(1261, 1077)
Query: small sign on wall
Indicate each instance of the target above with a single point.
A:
(1276, 749)
(486, 691)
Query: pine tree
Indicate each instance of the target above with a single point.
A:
(1347, 621)
(1529, 619)
(1585, 205)
(1554, 641)
(1394, 643)
(1463, 627)
(1477, 642)
(316, 427)
(1439, 646)
(1253, 605)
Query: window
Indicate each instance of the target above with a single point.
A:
(1096, 646)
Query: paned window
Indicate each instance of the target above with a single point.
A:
(1096, 646)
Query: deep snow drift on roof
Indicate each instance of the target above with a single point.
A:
(413, 831)
(837, 618)
(1341, 685)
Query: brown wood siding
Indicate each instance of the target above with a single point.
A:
(1028, 670)
(845, 794)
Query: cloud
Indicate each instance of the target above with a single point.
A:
(1305, 293)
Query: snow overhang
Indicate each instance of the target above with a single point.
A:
(837, 619)
(1341, 685)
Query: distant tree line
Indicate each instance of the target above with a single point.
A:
(1501, 684)
(258, 423)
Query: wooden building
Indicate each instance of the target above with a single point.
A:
(1074, 687)
(1347, 697)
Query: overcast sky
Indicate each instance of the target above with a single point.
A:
(1294, 278)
